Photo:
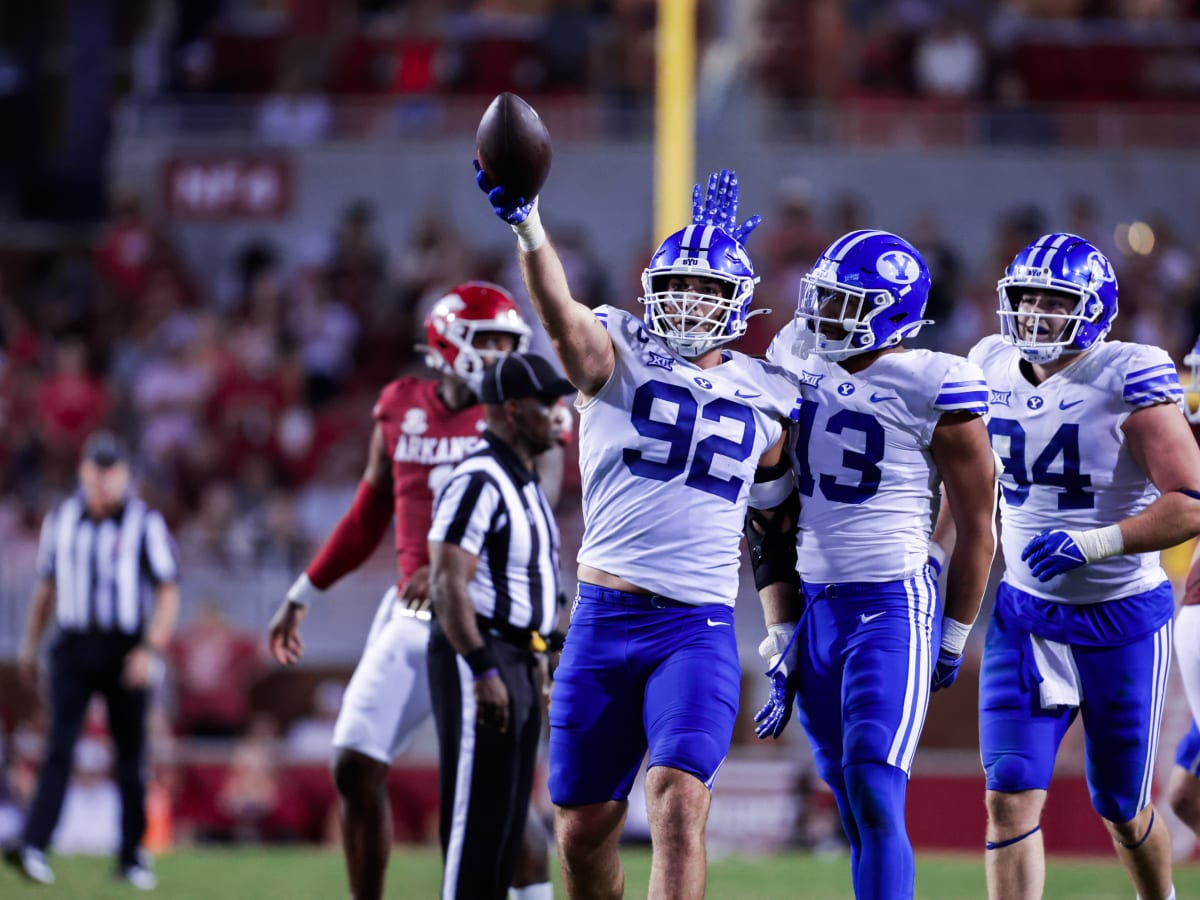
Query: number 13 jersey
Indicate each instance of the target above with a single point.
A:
(1066, 462)
(667, 454)
(860, 450)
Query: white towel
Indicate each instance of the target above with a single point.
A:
(1060, 679)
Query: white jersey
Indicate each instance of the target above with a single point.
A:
(667, 454)
(860, 450)
(1066, 463)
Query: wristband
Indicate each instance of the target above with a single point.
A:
(776, 642)
(490, 673)
(1100, 543)
(303, 591)
(530, 233)
(954, 635)
(481, 660)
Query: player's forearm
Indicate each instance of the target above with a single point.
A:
(781, 603)
(1171, 519)
(967, 574)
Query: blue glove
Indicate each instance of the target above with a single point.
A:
(784, 678)
(719, 206)
(945, 671)
(1051, 553)
(777, 711)
(513, 211)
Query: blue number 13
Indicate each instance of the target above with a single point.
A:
(677, 436)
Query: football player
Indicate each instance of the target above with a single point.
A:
(868, 638)
(1183, 792)
(423, 428)
(673, 426)
(1100, 472)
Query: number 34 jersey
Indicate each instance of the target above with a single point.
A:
(1066, 462)
(667, 454)
(861, 454)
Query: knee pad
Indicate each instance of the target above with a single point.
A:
(1117, 808)
(876, 792)
(1010, 773)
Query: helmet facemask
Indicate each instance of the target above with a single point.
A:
(1021, 328)
(690, 322)
(834, 320)
(455, 323)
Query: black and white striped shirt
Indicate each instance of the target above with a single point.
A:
(493, 507)
(105, 571)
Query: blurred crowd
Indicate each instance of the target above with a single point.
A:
(299, 55)
(247, 395)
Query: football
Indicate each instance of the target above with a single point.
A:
(513, 146)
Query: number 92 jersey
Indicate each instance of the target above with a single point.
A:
(667, 454)
(1066, 463)
(860, 450)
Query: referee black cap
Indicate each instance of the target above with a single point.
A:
(105, 449)
(519, 375)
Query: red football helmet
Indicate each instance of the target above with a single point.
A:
(456, 318)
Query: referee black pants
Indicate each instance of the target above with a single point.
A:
(82, 665)
(486, 777)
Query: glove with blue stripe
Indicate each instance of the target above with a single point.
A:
(513, 210)
(719, 206)
(780, 652)
(1053, 553)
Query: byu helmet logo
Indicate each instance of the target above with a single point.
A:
(1099, 268)
(898, 267)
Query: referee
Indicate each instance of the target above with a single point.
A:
(493, 550)
(107, 572)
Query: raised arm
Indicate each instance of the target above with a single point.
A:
(579, 339)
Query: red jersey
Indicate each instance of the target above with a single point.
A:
(425, 441)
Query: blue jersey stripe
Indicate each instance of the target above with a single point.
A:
(1161, 367)
(976, 383)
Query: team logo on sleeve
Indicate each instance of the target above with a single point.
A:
(415, 422)
(898, 267)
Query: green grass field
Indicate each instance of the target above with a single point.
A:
(255, 873)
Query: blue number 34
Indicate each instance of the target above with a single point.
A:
(677, 436)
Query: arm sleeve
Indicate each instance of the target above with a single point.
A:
(354, 538)
(464, 511)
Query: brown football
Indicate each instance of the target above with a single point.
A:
(513, 146)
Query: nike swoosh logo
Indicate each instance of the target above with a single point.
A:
(864, 618)
(744, 397)
(875, 398)
(712, 624)
(1063, 404)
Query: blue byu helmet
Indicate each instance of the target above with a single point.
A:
(1067, 264)
(691, 323)
(866, 292)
